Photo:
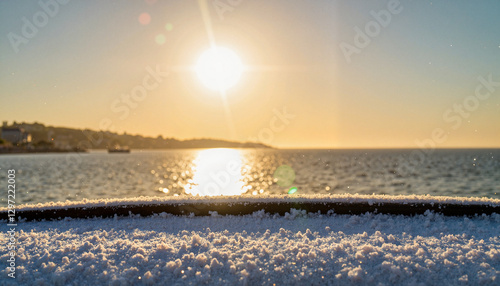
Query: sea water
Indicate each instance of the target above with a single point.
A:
(255, 172)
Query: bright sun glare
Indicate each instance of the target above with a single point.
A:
(219, 68)
(217, 172)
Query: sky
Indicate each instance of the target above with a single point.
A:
(318, 74)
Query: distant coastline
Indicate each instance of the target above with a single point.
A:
(50, 139)
(37, 151)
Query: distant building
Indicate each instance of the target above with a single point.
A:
(15, 135)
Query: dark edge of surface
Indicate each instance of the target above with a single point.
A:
(246, 208)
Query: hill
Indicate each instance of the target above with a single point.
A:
(70, 138)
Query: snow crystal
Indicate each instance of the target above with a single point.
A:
(301, 248)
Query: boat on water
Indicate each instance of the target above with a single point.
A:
(118, 149)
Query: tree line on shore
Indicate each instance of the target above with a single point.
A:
(46, 137)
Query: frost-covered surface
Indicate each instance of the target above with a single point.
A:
(297, 249)
(341, 198)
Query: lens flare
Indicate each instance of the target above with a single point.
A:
(160, 39)
(284, 175)
(144, 18)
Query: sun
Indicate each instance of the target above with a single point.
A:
(219, 68)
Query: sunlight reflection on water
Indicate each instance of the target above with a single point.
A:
(217, 172)
(52, 177)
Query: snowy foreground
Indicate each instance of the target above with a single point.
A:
(259, 249)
